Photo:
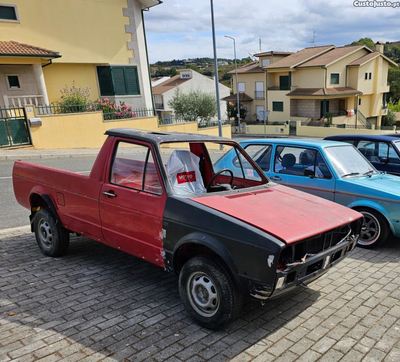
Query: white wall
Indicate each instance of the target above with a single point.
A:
(199, 82)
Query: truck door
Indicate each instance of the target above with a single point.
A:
(132, 202)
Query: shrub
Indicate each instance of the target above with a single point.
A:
(73, 99)
(111, 110)
(389, 119)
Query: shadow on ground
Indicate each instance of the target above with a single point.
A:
(100, 302)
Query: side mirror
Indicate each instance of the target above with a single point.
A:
(384, 160)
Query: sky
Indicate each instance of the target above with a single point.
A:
(181, 29)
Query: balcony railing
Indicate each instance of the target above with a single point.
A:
(279, 88)
(259, 95)
(20, 101)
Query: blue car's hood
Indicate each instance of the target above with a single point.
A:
(382, 185)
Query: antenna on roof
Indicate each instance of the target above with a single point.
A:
(259, 43)
(313, 41)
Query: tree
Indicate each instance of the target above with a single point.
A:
(365, 41)
(389, 119)
(394, 83)
(173, 72)
(231, 110)
(194, 106)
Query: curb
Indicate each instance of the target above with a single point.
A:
(15, 231)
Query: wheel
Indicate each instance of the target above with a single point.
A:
(51, 237)
(219, 173)
(208, 291)
(375, 229)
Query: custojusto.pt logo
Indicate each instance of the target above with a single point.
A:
(376, 4)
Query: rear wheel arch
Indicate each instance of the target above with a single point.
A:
(42, 201)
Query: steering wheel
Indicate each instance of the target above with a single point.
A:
(217, 174)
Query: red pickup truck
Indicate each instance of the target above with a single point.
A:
(159, 196)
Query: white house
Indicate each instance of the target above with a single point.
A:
(186, 81)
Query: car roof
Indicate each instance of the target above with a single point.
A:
(364, 137)
(294, 141)
(161, 137)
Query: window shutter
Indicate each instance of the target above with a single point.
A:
(105, 81)
(119, 80)
(132, 81)
(7, 13)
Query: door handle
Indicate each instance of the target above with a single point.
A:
(109, 194)
(275, 178)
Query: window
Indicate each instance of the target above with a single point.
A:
(242, 87)
(301, 162)
(134, 168)
(118, 80)
(370, 76)
(259, 94)
(377, 151)
(334, 78)
(366, 76)
(13, 82)
(265, 62)
(359, 101)
(277, 106)
(8, 12)
(261, 154)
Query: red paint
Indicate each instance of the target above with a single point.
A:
(131, 222)
(184, 177)
(286, 213)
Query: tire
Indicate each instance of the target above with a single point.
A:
(375, 229)
(209, 292)
(50, 235)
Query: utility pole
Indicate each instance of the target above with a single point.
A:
(237, 82)
(216, 71)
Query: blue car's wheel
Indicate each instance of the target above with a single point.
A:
(375, 229)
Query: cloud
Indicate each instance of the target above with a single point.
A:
(182, 28)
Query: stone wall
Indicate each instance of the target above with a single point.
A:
(305, 108)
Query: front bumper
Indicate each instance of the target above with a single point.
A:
(306, 270)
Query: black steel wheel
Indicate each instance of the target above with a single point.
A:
(209, 292)
(50, 235)
(375, 229)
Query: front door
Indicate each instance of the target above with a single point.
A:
(324, 108)
(284, 82)
(304, 169)
(132, 202)
(260, 113)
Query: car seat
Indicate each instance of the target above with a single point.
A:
(184, 172)
(288, 161)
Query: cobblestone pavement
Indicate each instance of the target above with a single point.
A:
(99, 304)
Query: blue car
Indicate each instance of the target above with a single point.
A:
(382, 151)
(336, 171)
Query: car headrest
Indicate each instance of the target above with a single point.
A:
(288, 160)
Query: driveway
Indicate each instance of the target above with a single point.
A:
(99, 304)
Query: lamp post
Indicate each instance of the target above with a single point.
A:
(237, 83)
(216, 71)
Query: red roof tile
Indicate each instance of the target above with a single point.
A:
(169, 84)
(324, 91)
(252, 67)
(331, 56)
(13, 48)
(243, 97)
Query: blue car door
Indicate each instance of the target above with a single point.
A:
(304, 169)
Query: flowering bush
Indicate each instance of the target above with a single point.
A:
(111, 110)
(74, 99)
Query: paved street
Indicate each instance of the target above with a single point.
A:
(99, 304)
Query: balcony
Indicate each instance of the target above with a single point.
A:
(259, 95)
(279, 88)
(159, 106)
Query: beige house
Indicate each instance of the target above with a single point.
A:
(348, 83)
(186, 81)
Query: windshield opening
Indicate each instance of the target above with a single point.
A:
(203, 167)
(397, 145)
(347, 161)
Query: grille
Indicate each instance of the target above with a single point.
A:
(314, 245)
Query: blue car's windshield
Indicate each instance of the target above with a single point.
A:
(348, 162)
(397, 145)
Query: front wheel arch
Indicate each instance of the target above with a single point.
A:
(379, 223)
